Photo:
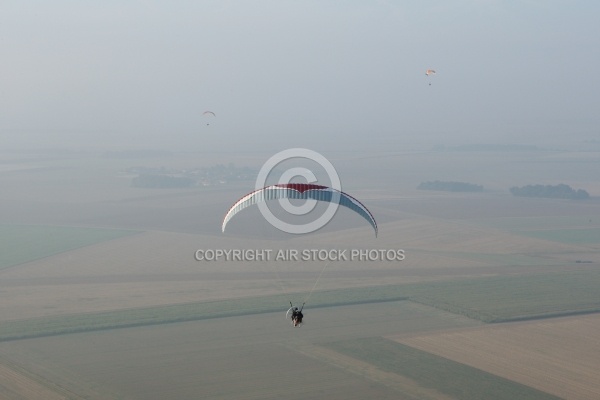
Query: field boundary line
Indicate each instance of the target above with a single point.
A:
(14, 376)
(408, 387)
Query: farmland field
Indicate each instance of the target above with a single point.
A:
(84, 253)
(559, 356)
(435, 376)
(514, 297)
(488, 299)
(23, 243)
(243, 357)
(575, 236)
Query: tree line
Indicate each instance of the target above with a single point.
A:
(560, 191)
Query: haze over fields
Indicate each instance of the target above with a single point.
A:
(115, 182)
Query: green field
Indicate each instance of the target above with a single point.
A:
(245, 357)
(523, 260)
(514, 297)
(451, 378)
(56, 325)
(571, 236)
(490, 299)
(24, 243)
(540, 223)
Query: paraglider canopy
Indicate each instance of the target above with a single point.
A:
(300, 191)
(208, 114)
(430, 72)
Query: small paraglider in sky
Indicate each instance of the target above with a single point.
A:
(430, 72)
(209, 115)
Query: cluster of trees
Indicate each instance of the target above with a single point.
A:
(450, 186)
(560, 191)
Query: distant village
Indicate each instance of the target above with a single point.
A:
(168, 178)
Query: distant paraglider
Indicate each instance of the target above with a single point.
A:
(208, 114)
(430, 72)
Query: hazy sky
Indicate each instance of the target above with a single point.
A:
(282, 73)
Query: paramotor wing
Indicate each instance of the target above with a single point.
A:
(300, 191)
